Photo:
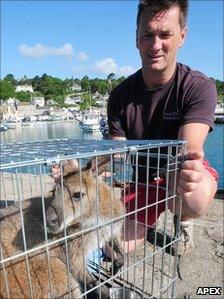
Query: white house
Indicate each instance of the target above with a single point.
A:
(12, 102)
(72, 100)
(50, 102)
(38, 101)
(76, 87)
(24, 88)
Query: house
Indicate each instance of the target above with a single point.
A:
(72, 100)
(25, 88)
(38, 101)
(76, 87)
(12, 102)
(50, 102)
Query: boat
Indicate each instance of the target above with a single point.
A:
(90, 123)
(3, 127)
(219, 114)
(219, 119)
(9, 125)
(219, 110)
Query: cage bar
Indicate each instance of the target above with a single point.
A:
(66, 238)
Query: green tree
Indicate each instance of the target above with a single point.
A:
(94, 85)
(50, 87)
(23, 96)
(68, 84)
(7, 90)
(59, 100)
(39, 84)
(85, 83)
(10, 78)
(36, 82)
(111, 76)
(103, 86)
(220, 90)
(111, 83)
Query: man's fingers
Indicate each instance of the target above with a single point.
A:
(56, 166)
(194, 165)
(190, 176)
(194, 155)
(189, 180)
(187, 186)
(186, 190)
(56, 172)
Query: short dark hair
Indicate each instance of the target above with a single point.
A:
(153, 7)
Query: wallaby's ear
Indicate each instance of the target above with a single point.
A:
(70, 166)
(99, 164)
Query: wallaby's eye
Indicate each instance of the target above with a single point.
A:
(77, 196)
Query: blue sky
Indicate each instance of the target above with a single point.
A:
(75, 38)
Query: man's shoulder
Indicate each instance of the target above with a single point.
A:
(195, 86)
(129, 83)
(189, 75)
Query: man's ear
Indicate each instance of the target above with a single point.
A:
(183, 35)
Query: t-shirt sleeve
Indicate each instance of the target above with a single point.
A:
(200, 103)
(114, 116)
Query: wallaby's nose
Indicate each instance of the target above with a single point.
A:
(52, 220)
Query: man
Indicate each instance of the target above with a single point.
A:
(167, 100)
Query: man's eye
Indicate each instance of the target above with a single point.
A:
(77, 196)
(148, 35)
(165, 35)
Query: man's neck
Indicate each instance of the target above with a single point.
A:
(156, 79)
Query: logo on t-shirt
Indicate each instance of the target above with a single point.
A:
(171, 115)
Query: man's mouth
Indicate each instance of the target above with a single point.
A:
(155, 56)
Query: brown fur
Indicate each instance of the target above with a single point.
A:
(16, 270)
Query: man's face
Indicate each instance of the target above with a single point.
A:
(158, 39)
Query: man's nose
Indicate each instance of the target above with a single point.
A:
(156, 43)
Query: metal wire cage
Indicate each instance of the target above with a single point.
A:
(78, 236)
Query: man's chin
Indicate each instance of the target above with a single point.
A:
(155, 68)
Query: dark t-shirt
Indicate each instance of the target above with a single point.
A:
(135, 112)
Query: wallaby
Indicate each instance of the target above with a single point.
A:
(79, 195)
(83, 199)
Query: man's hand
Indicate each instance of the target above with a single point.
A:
(56, 172)
(191, 174)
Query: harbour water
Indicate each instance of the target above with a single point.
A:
(214, 151)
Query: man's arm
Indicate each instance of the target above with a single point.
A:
(117, 138)
(196, 185)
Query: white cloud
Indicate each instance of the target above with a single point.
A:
(39, 50)
(82, 56)
(126, 70)
(108, 65)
